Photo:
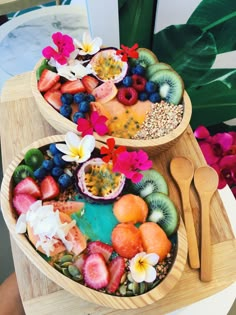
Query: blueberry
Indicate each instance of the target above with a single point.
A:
(53, 149)
(67, 98)
(66, 110)
(151, 87)
(57, 171)
(138, 69)
(127, 81)
(79, 97)
(154, 97)
(40, 173)
(90, 98)
(64, 181)
(48, 164)
(77, 115)
(143, 96)
(58, 160)
(84, 107)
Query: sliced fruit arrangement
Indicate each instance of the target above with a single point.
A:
(91, 223)
(114, 80)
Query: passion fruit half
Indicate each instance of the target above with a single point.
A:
(97, 182)
(108, 66)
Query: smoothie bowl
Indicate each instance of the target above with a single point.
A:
(125, 93)
(101, 228)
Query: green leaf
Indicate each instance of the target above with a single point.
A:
(219, 18)
(136, 22)
(189, 50)
(214, 102)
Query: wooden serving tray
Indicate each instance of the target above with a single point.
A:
(21, 124)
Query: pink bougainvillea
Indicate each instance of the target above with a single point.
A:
(219, 151)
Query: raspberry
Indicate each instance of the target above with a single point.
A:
(127, 96)
(139, 82)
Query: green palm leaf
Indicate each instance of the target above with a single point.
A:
(219, 18)
(189, 50)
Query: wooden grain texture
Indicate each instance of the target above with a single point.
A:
(152, 147)
(42, 296)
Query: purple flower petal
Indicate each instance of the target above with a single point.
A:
(208, 153)
(101, 129)
(224, 139)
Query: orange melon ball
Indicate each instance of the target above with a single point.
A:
(126, 240)
(130, 208)
(154, 239)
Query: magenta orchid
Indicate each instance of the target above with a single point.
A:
(64, 45)
(96, 123)
(219, 151)
(130, 163)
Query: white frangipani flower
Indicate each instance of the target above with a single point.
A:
(141, 267)
(88, 46)
(76, 149)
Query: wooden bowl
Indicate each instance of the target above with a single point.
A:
(69, 285)
(152, 147)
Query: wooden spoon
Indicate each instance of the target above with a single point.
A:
(206, 182)
(182, 170)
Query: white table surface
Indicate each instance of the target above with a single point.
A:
(20, 50)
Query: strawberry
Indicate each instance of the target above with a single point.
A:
(101, 248)
(49, 188)
(89, 83)
(53, 97)
(116, 270)
(28, 186)
(127, 96)
(22, 202)
(73, 87)
(79, 261)
(47, 79)
(56, 86)
(95, 272)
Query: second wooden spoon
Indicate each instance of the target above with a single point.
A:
(206, 182)
(182, 170)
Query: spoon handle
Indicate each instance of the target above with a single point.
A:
(193, 252)
(206, 261)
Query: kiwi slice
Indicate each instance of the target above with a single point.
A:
(146, 58)
(152, 181)
(156, 67)
(22, 171)
(34, 158)
(163, 212)
(171, 86)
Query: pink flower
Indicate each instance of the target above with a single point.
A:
(130, 163)
(219, 151)
(65, 46)
(96, 123)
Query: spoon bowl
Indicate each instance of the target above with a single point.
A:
(206, 183)
(182, 170)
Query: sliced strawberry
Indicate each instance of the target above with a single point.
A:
(90, 83)
(49, 188)
(28, 186)
(47, 79)
(101, 248)
(22, 202)
(79, 261)
(53, 97)
(73, 87)
(56, 86)
(95, 272)
(116, 270)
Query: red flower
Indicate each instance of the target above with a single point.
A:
(111, 152)
(96, 123)
(126, 52)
